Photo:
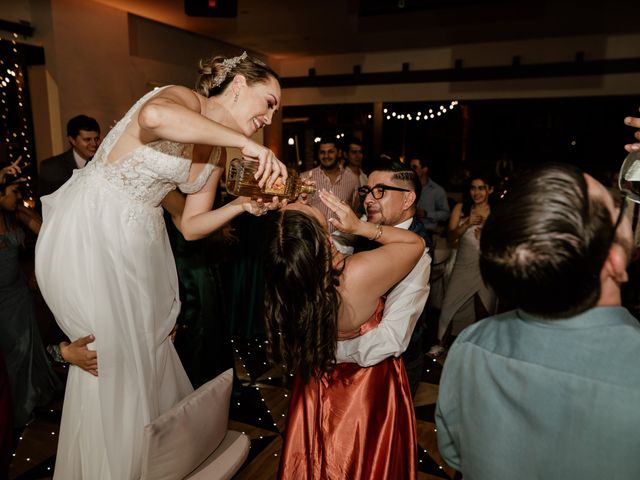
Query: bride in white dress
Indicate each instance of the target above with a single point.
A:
(105, 267)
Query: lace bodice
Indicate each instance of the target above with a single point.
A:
(149, 172)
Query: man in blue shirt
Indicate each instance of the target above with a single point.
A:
(432, 207)
(552, 389)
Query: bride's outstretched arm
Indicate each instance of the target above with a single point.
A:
(193, 216)
(174, 114)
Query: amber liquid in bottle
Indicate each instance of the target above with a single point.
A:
(241, 182)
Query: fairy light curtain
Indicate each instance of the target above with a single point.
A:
(16, 125)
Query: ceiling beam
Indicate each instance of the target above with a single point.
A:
(517, 70)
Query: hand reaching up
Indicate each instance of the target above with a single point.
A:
(12, 169)
(345, 218)
(633, 122)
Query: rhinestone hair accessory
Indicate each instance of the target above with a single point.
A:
(227, 65)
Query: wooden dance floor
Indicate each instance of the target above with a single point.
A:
(258, 408)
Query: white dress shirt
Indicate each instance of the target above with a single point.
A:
(402, 308)
(80, 162)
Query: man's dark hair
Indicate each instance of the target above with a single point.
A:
(329, 137)
(402, 173)
(424, 161)
(325, 138)
(543, 247)
(351, 140)
(81, 122)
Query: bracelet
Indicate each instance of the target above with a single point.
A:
(56, 355)
(378, 233)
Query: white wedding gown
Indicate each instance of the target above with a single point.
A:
(105, 266)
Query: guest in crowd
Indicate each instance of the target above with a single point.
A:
(344, 421)
(354, 155)
(551, 389)
(83, 133)
(104, 263)
(32, 381)
(433, 206)
(330, 175)
(390, 199)
(467, 298)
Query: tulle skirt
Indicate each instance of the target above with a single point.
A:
(104, 266)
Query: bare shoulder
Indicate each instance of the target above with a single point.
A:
(181, 95)
(359, 266)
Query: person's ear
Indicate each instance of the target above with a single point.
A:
(490, 190)
(239, 81)
(409, 200)
(72, 140)
(615, 265)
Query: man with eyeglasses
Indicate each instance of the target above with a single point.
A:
(390, 199)
(551, 389)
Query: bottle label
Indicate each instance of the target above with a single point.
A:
(278, 188)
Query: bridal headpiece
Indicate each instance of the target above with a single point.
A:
(227, 65)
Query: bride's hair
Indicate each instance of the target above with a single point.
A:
(216, 73)
(301, 296)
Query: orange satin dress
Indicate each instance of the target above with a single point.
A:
(354, 423)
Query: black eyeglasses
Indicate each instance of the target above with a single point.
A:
(377, 191)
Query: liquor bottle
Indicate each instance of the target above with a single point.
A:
(629, 177)
(241, 181)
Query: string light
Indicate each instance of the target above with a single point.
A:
(13, 110)
(418, 116)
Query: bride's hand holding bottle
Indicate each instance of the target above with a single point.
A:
(270, 167)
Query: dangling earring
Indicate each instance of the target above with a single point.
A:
(235, 98)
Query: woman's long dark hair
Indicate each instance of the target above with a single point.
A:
(301, 296)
